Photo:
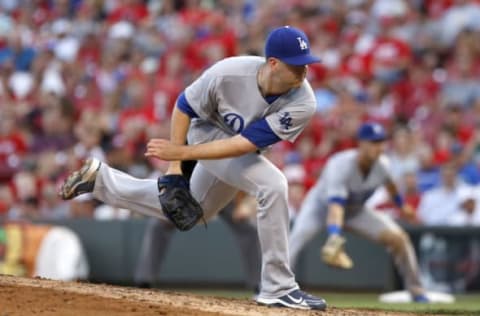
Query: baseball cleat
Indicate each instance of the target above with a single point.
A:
(295, 299)
(81, 181)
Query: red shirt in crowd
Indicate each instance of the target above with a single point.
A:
(12, 146)
(387, 53)
(134, 13)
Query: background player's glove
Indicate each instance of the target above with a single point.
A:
(177, 202)
(334, 254)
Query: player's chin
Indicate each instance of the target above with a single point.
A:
(297, 83)
(375, 157)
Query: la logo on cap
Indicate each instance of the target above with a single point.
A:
(377, 129)
(303, 44)
(290, 45)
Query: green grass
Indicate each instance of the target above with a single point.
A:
(464, 304)
(467, 304)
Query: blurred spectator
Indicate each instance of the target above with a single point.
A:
(389, 55)
(64, 45)
(443, 144)
(403, 154)
(467, 170)
(13, 144)
(380, 104)
(438, 205)
(56, 125)
(472, 148)
(51, 205)
(17, 52)
(428, 175)
(409, 188)
(468, 213)
(26, 191)
(454, 122)
(461, 83)
(6, 201)
(419, 89)
(463, 14)
(89, 134)
(130, 10)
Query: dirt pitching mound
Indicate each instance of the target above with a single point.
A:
(41, 297)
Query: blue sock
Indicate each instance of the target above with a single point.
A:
(334, 229)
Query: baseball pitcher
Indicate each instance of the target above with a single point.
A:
(236, 108)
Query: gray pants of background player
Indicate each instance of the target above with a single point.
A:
(371, 224)
(214, 184)
(158, 235)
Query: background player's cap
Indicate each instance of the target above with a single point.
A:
(290, 45)
(372, 132)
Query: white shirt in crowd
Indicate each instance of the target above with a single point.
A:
(462, 217)
(439, 205)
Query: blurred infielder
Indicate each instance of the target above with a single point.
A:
(158, 235)
(348, 179)
(237, 107)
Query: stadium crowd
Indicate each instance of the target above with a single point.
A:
(99, 78)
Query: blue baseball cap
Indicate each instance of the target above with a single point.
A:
(372, 132)
(290, 45)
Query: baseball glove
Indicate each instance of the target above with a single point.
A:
(177, 202)
(333, 253)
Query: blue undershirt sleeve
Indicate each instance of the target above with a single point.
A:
(260, 134)
(338, 200)
(184, 106)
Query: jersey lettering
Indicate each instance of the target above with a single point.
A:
(235, 121)
(286, 120)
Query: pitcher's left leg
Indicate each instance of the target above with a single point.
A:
(114, 187)
(257, 176)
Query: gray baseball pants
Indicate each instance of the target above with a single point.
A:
(214, 183)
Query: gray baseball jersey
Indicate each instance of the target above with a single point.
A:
(342, 180)
(227, 96)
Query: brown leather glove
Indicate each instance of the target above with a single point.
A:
(333, 253)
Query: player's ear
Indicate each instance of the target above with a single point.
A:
(272, 61)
